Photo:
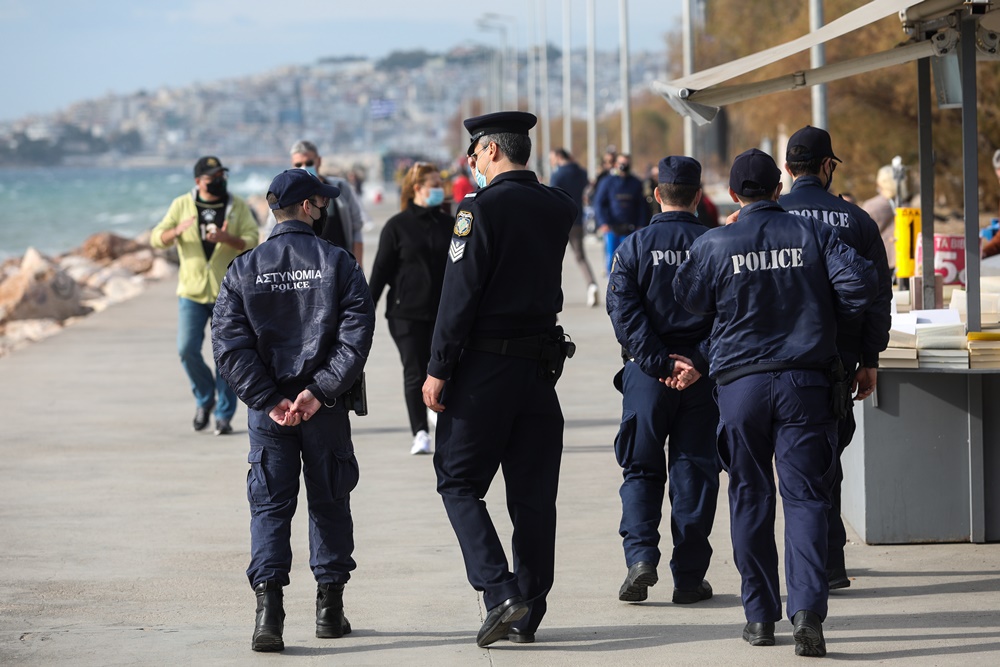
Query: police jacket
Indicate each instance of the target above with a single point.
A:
(867, 335)
(572, 178)
(504, 275)
(293, 313)
(620, 203)
(412, 255)
(776, 284)
(648, 321)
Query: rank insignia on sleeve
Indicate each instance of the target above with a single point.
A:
(457, 250)
(463, 223)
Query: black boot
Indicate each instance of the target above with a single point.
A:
(330, 620)
(270, 617)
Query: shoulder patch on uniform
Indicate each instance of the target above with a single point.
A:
(471, 195)
(457, 250)
(463, 223)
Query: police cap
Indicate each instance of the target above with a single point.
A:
(754, 174)
(511, 122)
(679, 170)
(295, 185)
(812, 142)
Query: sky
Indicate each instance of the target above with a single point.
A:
(55, 52)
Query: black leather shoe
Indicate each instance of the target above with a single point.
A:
(201, 415)
(640, 577)
(838, 579)
(498, 621)
(223, 427)
(270, 617)
(519, 636)
(759, 634)
(703, 592)
(330, 620)
(808, 634)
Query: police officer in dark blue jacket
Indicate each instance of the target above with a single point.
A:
(776, 284)
(495, 356)
(619, 206)
(660, 340)
(291, 331)
(809, 159)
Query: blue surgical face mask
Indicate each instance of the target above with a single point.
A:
(480, 178)
(435, 197)
(311, 170)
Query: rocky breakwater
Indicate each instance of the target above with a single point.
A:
(40, 295)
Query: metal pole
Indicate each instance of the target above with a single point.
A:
(687, 39)
(970, 169)
(817, 58)
(543, 155)
(623, 76)
(925, 142)
(532, 88)
(591, 89)
(567, 74)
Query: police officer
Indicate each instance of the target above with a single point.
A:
(291, 333)
(776, 284)
(495, 356)
(809, 159)
(619, 206)
(660, 340)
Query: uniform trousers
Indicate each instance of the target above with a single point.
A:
(499, 413)
(785, 416)
(322, 449)
(651, 412)
(413, 339)
(837, 534)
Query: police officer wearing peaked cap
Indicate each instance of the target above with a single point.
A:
(809, 159)
(495, 357)
(776, 284)
(660, 340)
(291, 332)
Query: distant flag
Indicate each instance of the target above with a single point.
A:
(382, 109)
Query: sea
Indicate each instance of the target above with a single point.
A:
(54, 209)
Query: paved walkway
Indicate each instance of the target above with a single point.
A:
(124, 540)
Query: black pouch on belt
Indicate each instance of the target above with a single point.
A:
(556, 349)
(840, 389)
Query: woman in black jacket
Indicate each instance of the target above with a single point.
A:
(412, 255)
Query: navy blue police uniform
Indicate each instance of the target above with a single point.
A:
(492, 344)
(619, 204)
(776, 284)
(859, 339)
(651, 325)
(296, 313)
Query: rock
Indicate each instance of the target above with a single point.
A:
(21, 332)
(79, 268)
(161, 269)
(39, 290)
(121, 288)
(137, 262)
(100, 278)
(105, 247)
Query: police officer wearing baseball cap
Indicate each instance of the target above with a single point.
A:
(495, 357)
(776, 284)
(291, 332)
(809, 159)
(660, 341)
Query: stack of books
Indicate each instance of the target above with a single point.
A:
(942, 345)
(901, 301)
(898, 357)
(989, 307)
(984, 349)
(902, 350)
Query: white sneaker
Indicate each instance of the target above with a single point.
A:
(432, 418)
(421, 443)
(592, 295)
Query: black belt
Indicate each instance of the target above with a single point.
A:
(528, 347)
(725, 377)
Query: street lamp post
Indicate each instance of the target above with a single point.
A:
(500, 65)
(513, 52)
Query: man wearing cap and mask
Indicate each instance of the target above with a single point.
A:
(291, 332)
(619, 206)
(495, 357)
(660, 342)
(777, 284)
(210, 227)
(809, 159)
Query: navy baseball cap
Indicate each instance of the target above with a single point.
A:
(208, 166)
(813, 142)
(511, 122)
(754, 173)
(296, 185)
(680, 170)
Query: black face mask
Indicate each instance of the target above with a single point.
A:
(217, 188)
(624, 169)
(321, 220)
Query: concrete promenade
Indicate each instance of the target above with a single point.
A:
(124, 534)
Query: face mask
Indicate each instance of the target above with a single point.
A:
(318, 222)
(480, 178)
(217, 188)
(435, 197)
(830, 182)
(623, 169)
(311, 170)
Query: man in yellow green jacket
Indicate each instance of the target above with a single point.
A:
(210, 227)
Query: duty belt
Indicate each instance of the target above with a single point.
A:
(528, 347)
